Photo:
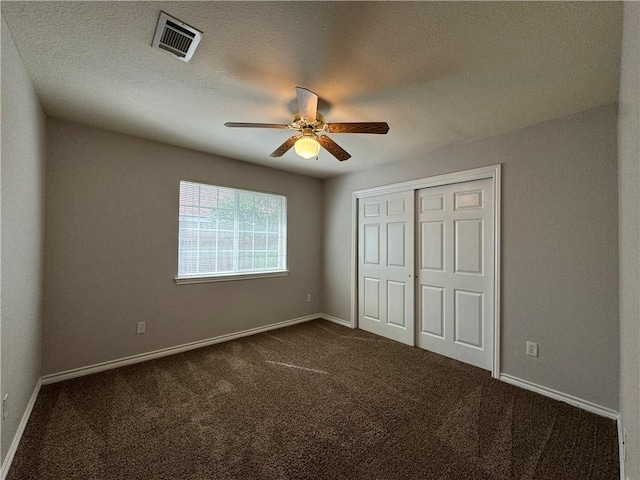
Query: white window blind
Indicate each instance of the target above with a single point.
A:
(226, 231)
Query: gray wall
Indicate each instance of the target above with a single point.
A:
(22, 212)
(629, 184)
(111, 249)
(559, 246)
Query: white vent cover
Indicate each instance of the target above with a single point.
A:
(175, 37)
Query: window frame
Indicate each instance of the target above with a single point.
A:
(235, 275)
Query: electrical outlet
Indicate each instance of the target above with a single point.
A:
(308, 297)
(532, 349)
(142, 327)
(5, 405)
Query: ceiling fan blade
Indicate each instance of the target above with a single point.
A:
(284, 148)
(358, 127)
(307, 104)
(256, 125)
(333, 148)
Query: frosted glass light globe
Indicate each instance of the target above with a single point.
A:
(307, 147)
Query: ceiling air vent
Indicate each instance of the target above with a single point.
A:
(175, 37)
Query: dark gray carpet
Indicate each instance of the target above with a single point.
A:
(312, 401)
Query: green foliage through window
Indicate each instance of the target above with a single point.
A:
(224, 231)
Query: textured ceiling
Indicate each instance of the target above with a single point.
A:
(437, 72)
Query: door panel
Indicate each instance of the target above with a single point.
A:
(432, 254)
(430, 203)
(432, 310)
(386, 291)
(396, 245)
(468, 318)
(372, 299)
(468, 200)
(396, 301)
(397, 206)
(468, 246)
(372, 244)
(455, 271)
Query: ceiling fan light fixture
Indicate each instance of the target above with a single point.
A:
(311, 134)
(307, 147)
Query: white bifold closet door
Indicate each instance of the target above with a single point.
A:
(386, 265)
(455, 271)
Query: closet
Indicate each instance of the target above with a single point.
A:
(426, 267)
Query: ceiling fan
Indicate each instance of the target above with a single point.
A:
(311, 125)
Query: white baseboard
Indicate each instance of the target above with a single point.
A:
(337, 320)
(6, 465)
(143, 357)
(563, 397)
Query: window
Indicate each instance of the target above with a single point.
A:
(225, 233)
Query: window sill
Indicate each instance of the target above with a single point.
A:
(230, 277)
